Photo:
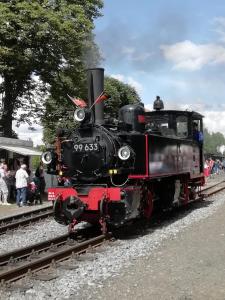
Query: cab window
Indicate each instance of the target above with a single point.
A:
(182, 126)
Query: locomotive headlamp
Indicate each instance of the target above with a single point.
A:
(82, 115)
(79, 114)
(124, 153)
(46, 157)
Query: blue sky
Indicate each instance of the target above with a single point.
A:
(171, 48)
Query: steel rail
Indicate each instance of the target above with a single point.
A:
(32, 249)
(25, 222)
(28, 251)
(12, 218)
(213, 189)
(18, 272)
(211, 186)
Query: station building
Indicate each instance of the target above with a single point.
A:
(15, 152)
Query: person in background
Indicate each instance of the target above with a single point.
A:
(39, 174)
(223, 165)
(8, 179)
(21, 185)
(64, 181)
(11, 181)
(3, 186)
(16, 164)
(211, 166)
(216, 166)
(206, 168)
(67, 181)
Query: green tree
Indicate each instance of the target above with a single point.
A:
(45, 38)
(121, 94)
(212, 141)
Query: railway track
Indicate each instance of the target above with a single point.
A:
(213, 189)
(16, 264)
(24, 219)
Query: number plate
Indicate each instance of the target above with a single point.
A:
(86, 147)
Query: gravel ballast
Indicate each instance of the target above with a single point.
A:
(91, 274)
(30, 235)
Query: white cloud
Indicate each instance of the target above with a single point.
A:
(119, 77)
(133, 54)
(215, 121)
(198, 106)
(149, 107)
(129, 80)
(189, 56)
(137, 85)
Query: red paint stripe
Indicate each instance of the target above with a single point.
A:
(137, 176)
(158, 175)
(168, 174)
(154, 175)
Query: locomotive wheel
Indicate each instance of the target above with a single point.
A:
(166, 192)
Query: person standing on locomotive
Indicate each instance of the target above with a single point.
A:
(197, 134)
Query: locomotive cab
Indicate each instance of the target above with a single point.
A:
(173, 123)
(183, 131)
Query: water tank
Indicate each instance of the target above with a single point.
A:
(132, 117)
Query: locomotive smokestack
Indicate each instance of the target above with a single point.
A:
(95, 79)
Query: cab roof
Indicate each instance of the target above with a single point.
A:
(192, 114)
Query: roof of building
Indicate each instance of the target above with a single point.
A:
(18, 146)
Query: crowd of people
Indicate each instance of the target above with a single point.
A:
(213, 167)
(21, 185)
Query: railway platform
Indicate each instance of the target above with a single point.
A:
(13, 209)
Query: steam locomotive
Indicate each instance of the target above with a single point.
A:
(120, 169)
